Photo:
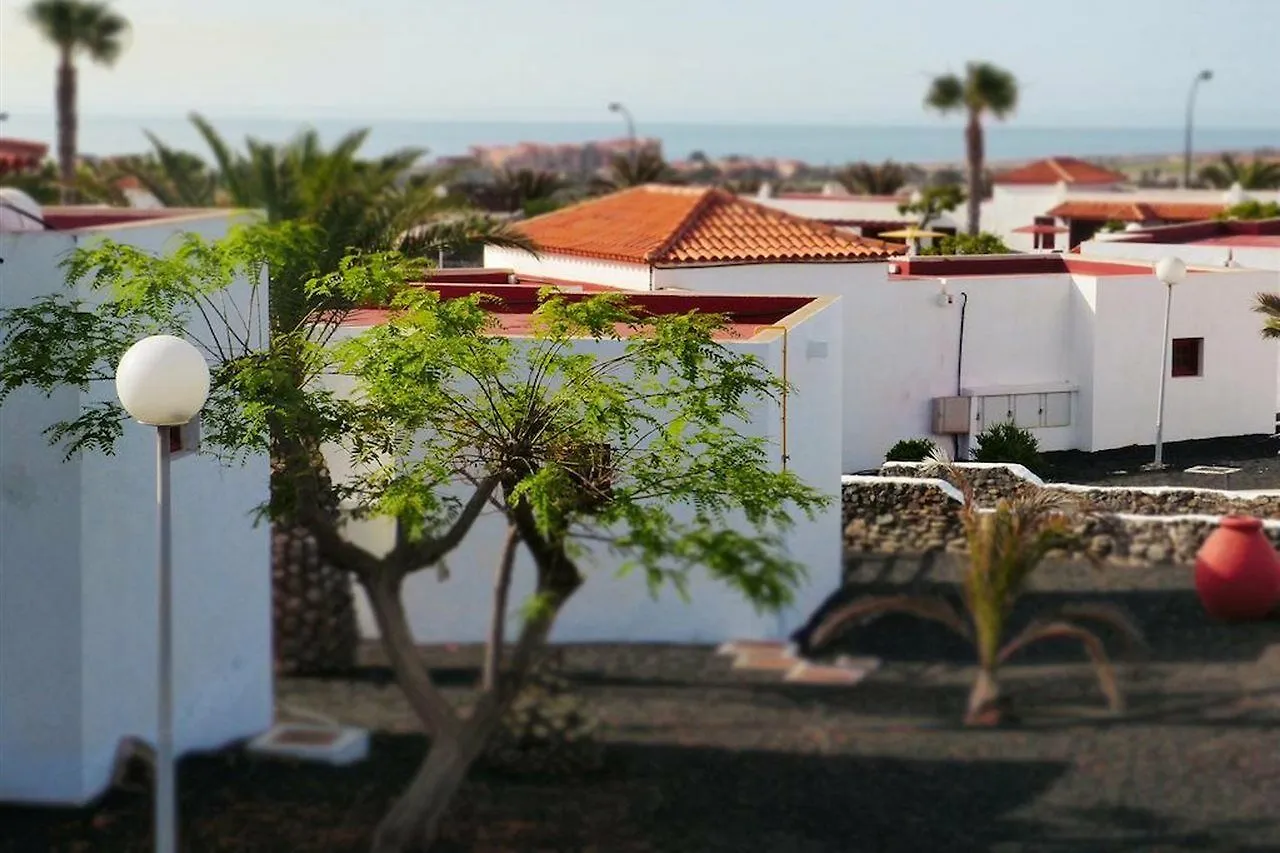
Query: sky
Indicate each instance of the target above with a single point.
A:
(1080, 63)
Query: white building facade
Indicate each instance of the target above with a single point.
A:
(78, 582)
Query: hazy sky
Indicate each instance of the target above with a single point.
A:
(1081, 62)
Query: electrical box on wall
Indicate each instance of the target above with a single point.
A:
(950, 415)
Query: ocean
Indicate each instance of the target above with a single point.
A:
(818, 144)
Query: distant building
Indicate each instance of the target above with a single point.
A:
(568, 158)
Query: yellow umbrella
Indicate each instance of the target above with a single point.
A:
(911, 233)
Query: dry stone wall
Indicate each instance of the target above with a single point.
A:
(907, 511)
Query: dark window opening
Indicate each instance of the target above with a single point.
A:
(1045, 241)
(1188, 357)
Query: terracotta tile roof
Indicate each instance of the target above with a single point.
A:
(1071, 170)
(666, 225)
(1137, 211)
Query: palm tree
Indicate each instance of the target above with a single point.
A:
(517, 187)
(75, 27)
(869, 179)
(357, 205)
(1268, 305)
(985, 88)
(648, 167)
(1255, 174)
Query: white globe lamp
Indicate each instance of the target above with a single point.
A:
(162, 381)
(1171, 270)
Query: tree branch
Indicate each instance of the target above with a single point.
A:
(410, 557)
(497, 625)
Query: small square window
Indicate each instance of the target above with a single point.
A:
(1188, 357)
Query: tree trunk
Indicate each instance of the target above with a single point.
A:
(975, 155)
(313, 611)
(502, 589)
(985, 703)
(413, 824)
(67, 120)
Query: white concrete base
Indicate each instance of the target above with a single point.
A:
(336, 746)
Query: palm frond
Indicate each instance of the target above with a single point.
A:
(1093, 645)
(946, 94)
(990, 88)
(923, 607)
(1268, 304)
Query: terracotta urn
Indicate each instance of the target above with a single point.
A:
(1237, 571)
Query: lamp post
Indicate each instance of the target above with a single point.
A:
(1170, 271)
(616, 107)
(163, 381)
(1203, 76)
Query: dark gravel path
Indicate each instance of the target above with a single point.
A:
(1255, 456)
(705, 759)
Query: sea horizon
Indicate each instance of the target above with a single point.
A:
(818, 144)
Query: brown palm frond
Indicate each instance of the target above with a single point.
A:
(1106, 614)
(1093, 645)
(921, 606)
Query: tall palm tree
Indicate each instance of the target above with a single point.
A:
(1255, 174)
(76, 28)
(984, 89)
(870, 179)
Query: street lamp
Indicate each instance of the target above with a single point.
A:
(616, 107)
(163, 381)
(1191, 107)
(1170, 271)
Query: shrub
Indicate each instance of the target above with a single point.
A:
(1005, 442)
(911, 450)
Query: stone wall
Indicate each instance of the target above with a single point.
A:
(906, 512)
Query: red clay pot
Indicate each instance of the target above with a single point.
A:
(1237, 571)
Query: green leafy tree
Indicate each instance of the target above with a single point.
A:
(933, 202)
(1255, 174)
(1005, 547)
(638, 451)
(1251, 209)
(985, 89)
(870, 179)
(76, 28)
(983, 243)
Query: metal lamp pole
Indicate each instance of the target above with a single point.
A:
(1191, 107)
(166, 781)
(163, 382)
(1170, 271)
(617, 107)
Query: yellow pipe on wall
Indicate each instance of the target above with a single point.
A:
(783, 329)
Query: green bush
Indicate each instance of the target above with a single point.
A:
(911, 450)
(1005, 442)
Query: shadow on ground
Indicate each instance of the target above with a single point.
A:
(1172, 621)
(649, 798)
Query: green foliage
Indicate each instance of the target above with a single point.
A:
(1255, 174)
(1112, 226)
(911, 450)
(933, 202)
(1005, 442)
(984, 88)
(1252, 209)
(1268, 305)
(870, 179)
(76, 26)
(983, 243)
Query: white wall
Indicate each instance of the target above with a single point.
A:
(620, 609)
(569, 267)
(77, 575)
(1209, 255)
(1235, 395)
(1015, 205)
